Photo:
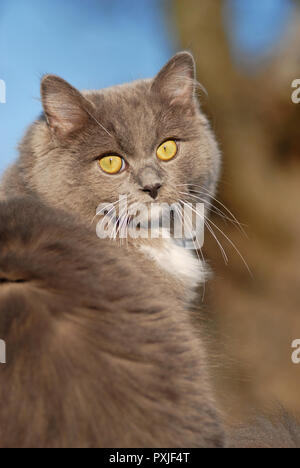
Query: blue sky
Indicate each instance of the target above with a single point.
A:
(97, 43)
(256, 26)
(91, 43)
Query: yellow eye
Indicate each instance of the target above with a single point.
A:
(111, 164)
(167, 150)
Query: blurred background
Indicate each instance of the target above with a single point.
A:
(247, 54)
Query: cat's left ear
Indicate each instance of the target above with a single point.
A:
(176, 80)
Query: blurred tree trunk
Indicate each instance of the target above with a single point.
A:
(258, 129)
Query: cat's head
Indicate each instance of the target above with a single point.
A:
(147, 140)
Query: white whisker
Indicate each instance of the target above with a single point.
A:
(211, 231)
(207, 223)
(217, 201)
(215, 210)
(233, 245)
(196, 245)
(97, 122)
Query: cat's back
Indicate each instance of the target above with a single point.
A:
(97, 353)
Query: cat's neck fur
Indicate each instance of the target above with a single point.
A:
(180, 264)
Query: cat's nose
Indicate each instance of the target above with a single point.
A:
(152, 190)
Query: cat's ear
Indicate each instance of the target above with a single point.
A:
(177, 79)
(66, 110)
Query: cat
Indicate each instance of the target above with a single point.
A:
(60, 153)
(101, 349)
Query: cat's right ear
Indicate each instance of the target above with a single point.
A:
(176, 80)
(66, 109)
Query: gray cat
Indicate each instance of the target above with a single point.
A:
(101, 350)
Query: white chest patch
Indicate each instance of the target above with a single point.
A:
(177, 261)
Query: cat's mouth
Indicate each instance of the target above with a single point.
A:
(152, 220)
(163, 222)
